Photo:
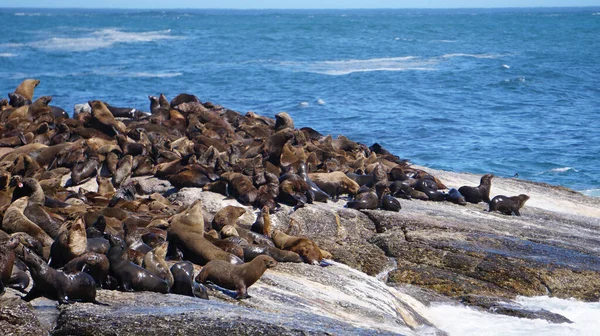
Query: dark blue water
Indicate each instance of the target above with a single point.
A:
(502, 91)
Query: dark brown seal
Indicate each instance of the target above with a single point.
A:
(479, 193)
(154, 261)
(236, 277)
(508, 205)
(56, 285)
(130, 276)
(183, 281)
(92, 263)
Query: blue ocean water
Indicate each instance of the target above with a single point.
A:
(502, 91)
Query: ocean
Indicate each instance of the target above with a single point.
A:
(511, 91)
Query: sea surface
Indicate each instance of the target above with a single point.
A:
(513, 91)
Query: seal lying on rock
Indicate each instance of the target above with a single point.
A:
(235, 277)
(183, 281)
(508, 205)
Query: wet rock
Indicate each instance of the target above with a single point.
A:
(17, 317)
(511, 308)
(290, 299)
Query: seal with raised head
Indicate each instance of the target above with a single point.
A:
(154, 261)
(70, 243)
(508, 205)
(56, 285)
(479, 193)
(227, 216)
(92, 263)
(15, 221)
(236, 277)
(130, 276)
(27, 87)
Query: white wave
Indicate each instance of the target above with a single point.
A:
(336, 68)
(100, 39)
(157, 75)
(506, 66)
(460, 320)
(8, 55)
(303, 104)
(471, 55)
(320, 101)
(559, 170)
(31, 14)
(591, 192)
(595, 14)
(445, 41)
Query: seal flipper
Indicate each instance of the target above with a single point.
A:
(200, 291)
(33, 294)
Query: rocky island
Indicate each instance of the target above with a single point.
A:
(361, 240)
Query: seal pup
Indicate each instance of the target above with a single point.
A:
(183, 281)
(236, 277)
(508, 205)
(56, 285)
(455, 197)
(479, 193)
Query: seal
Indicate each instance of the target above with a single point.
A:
(92, 263)
(306, 248)
(283, 120)
(236, 277)
(103, 120)
(317, 194)
(7, 261)
(183, 281)
(335, 183)
(15, 221)
(26, 88)
(154, 261)
(56, 285)
(240, 186)
(262, 224)
(70, 243)
(508, 205)
(130, 276)
(19, 279)
(479, 193)
(227, 216)
(455, 197)
(252, 251)
(186, 232)
(366, 200)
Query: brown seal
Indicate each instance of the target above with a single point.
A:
(186, 232)
(508, 205)
(15, 221)
(227, 216)
(479, 193)
(335, 183)
(154, 261)
(70, 243)
(252, 251)
(103, 120)
(306, 248)
(240, 186)
(236, 277)
(283, 120)
(26, 88)
(262, 224)
(56, 285)
(366, 200)
(7, 261)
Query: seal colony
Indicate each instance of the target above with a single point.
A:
(120, 237)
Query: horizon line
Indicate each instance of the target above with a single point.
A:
(298, 8)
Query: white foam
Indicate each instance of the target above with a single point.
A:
(506, 66)
(460, 320)
(31, 14)
(336, 68)
(303, 104)
(100, 39)
(591, 192)
(559, 170)
(470, 55)
(320, 101)
(445, 41)
(8, 55)
(156, 75)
